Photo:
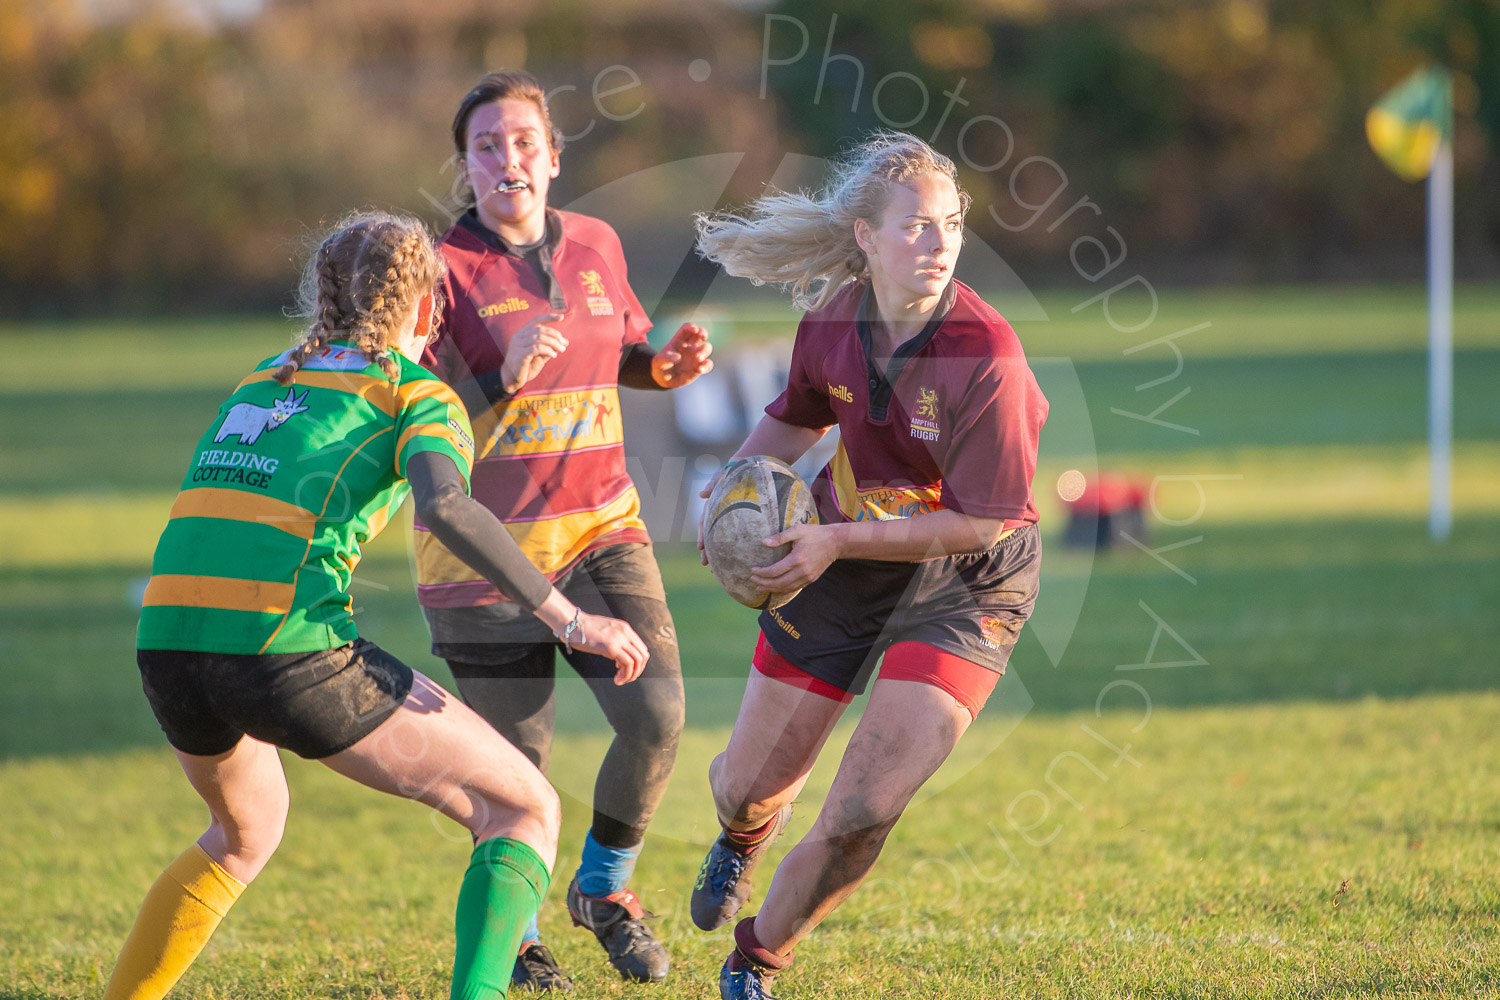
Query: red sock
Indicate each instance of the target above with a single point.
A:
(747, 944)
(749, 838)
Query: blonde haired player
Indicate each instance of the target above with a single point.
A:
(926, 560)
(247, 638)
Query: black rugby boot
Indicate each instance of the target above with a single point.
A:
(619, 922)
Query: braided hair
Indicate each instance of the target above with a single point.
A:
(366, 276)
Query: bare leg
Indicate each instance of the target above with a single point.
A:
(907, 731)
(245, 790)
(437, 750)
(776, 740)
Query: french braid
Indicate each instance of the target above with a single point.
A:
(361, 284)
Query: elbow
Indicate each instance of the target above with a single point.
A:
(988, 531)
(439, 510)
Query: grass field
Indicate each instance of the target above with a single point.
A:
(1307, 699)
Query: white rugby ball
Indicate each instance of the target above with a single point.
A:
(755, 498)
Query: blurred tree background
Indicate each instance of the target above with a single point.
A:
(172, 155)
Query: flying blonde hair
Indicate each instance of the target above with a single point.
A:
(805, 242)
(367, 274)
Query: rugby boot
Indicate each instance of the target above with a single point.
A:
(724, 880)
(750, 969)
(538, 971)
(619, 922)
(742, 979)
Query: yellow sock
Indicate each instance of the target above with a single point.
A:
(178, 917)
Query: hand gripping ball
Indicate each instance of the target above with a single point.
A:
(755, 498)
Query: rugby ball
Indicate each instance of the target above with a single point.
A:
(755, 498)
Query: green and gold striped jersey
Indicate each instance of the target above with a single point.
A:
(283, 489)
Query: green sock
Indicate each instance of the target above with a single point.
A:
(503, 887)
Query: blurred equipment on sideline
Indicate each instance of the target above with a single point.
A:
(1100, 510)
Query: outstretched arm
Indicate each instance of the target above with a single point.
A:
(685, 357)
(477, 537)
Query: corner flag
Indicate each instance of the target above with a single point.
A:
(1411, 121)
(1411, 127)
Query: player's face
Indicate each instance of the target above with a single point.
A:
(509, 164)
(914, 248)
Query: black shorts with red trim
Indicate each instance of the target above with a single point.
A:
(972, 606)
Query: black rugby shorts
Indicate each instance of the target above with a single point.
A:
(313, 704)
(971, 605)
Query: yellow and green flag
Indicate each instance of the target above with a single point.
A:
(1407, 125)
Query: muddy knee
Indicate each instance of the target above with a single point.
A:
(656, 726)
(858, 827)
(739, 802)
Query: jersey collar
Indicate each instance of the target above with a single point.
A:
(542, 262)
(470, 221)
(882, 385)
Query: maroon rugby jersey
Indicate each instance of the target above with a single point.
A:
(549, 461)
(955, 428)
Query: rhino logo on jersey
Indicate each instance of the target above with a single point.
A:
(250, 421)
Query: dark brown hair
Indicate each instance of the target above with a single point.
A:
(504, 85)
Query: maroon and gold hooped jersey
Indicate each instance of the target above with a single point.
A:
(549, 461)
(952, 424)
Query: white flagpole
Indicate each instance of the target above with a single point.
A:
(1440, 343)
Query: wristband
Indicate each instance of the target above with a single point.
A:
(576, 625)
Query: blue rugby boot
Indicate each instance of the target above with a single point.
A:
(724, 880)
(750, 969)
(742, 979)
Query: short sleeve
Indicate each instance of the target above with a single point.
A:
(637, 323)
(804, 403)
(991, 457)
(431, 418)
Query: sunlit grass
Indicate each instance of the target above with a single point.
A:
(1339, 727)
(1206, 863)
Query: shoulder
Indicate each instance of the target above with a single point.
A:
(460, 248)
(274, 361)
(845, 302)
(973, 328)
(458, 238)
(587, 231)
(415, 383)
(836, 319)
